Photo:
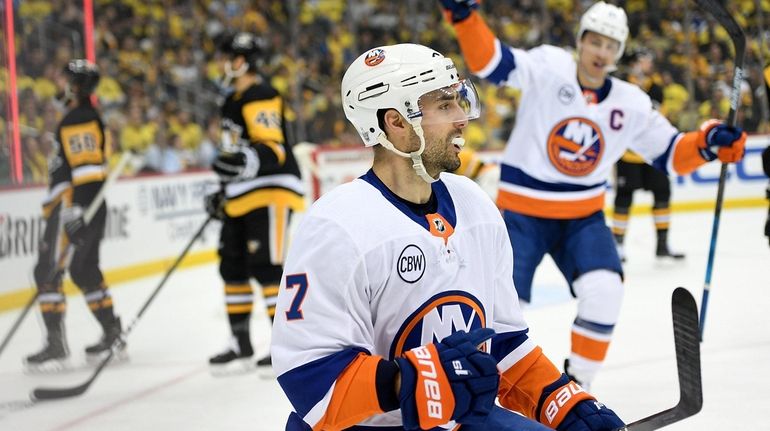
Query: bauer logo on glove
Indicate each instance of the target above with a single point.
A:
(448, 381)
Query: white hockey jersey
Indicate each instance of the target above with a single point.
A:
(365, 275)
(563, 147)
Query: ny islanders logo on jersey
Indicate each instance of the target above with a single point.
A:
(575, 146)
(437, 318)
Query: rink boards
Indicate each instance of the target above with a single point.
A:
(151, 218)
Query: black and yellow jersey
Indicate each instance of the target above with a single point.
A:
(77, 167)
(255, 117)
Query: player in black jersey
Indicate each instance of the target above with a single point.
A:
(632, 172)
(261, 188)
(76, 174)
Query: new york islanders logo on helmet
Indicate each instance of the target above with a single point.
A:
(575, 146)
(374, 57)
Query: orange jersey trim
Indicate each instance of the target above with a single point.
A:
(477, 42)
(589, 348)
(560, 402)
(549, 209)
(687, 158)
(355, 395)
(435, 220)
(522, 384)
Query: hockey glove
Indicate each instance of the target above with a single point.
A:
(242, 164)
(449, 380)
(74, 224)
(215, 205)
(565, 406)
(458, 10)
(722, 141)
(766, 162)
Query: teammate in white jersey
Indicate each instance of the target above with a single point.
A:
(395, 282)
(573, 123)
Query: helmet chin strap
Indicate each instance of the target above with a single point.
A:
(231, 74)
(416, 156)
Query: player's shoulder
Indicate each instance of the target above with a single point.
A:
(632, 92)
(345, 203)
(261, 91)
(554, 59)
(469, 197)
(551, 50)
(80, 114)
(552, 53)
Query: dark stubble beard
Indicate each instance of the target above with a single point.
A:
(439, 155)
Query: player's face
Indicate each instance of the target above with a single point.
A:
(597, 53)
(444, 118)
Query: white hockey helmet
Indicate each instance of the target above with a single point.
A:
(607, 20)
(396, 76)
(404, 77)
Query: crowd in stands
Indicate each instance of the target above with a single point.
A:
(159, 87)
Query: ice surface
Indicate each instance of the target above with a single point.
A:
(166, 384)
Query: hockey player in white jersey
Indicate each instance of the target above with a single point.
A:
(397, 309)
(573, 123)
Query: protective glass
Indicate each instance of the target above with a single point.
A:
(455, 103)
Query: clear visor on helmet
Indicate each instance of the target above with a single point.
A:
(456, 103)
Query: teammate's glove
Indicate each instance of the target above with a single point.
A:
(239, 165)
(74, 224)
(722, 141)
(215, 204)
(458, 10)
(449, 380)
(565, 406)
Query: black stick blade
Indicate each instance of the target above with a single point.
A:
(687, 344)
(44, 394)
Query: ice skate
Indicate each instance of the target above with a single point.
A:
(265, 368)
(267, 361)
(237, 359)
(112, 334)
(663, 252)
(53, 358)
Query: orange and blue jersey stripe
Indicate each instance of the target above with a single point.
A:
(484, 54)
(524, 194)
(336, 391)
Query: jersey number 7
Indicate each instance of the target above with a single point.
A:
(299, 282)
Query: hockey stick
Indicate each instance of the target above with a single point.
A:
(718, 11)
(687, 345)
(59, 393)
(64, 257)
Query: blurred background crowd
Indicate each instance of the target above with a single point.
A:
(159, 88)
